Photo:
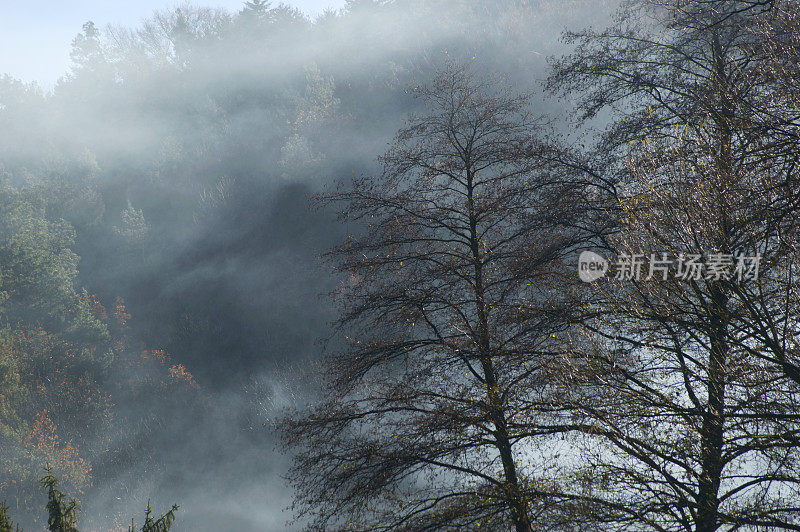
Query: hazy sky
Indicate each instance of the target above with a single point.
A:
(35, 37)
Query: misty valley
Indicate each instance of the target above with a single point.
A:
(400, 265)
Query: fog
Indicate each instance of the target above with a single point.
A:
(183, 152)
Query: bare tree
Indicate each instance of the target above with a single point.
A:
(454, 295)
(685, 393)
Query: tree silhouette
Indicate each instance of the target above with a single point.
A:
(6, 524)
(452, 297)
(161, 524)
(62, 516)
(686, 395)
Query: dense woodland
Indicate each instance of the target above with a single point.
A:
(322, 273)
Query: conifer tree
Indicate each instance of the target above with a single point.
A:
(62, 516)
(6, 524)
(257, 8)
(162, 524)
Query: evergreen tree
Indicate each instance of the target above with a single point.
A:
(162, 524)
(87, 51)
(62, 516)
(6, 525)
(257, 9)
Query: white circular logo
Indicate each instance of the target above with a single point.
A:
(591, 266)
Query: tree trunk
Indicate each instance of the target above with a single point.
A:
(713, 421)
(514, 498)
(714, 417)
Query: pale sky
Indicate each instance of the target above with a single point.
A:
(35, 36)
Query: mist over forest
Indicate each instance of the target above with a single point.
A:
(169, 171)
(289, 271)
